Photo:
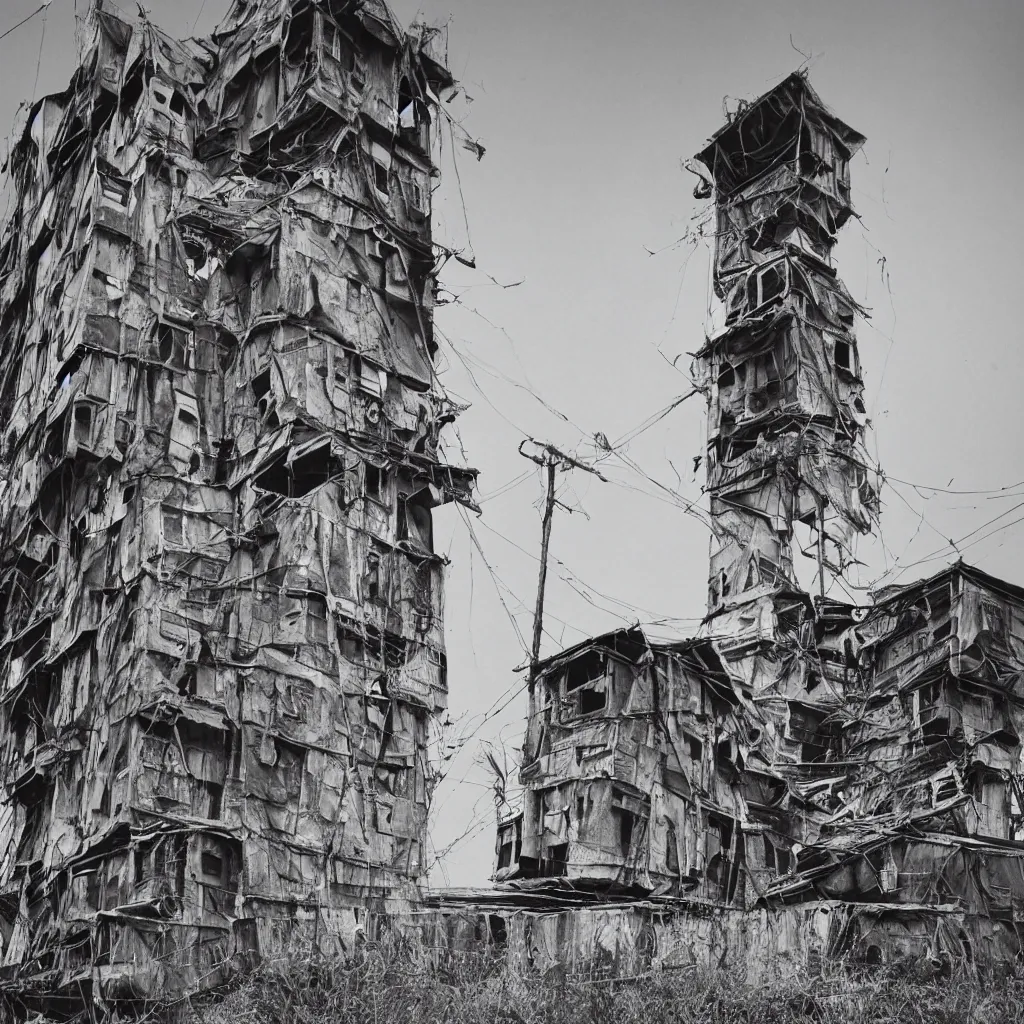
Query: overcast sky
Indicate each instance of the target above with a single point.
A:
(587, 109)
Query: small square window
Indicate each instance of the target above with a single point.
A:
(211, 864)
(172, 345)
(83, 422)
(173, 526)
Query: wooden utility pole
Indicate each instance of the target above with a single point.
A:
(552, 459)
(821, 546)
(545, 541)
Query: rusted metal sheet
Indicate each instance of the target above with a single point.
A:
(222, 621)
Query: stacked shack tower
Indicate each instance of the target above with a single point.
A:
(807, 750)
(222, 641)
(787, 472)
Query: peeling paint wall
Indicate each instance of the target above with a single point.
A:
(222, 612)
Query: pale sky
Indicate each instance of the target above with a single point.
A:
(587, 110)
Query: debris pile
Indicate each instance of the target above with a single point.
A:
(222, 639)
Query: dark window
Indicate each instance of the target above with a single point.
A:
(671, 849)
(497, 929)
(585, 669)
(372, 577)
(694, 747)
(592, 701)
(83, 422)
(374, 483)
(265, 402)
(505, 854)
(337, 47)
(380, 178)
(415, 522)
(626, 823)
(557, 860)
(843, 355)
(212, 864)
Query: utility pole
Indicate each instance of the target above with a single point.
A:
(821, 547)
(545, 541)
(552, 460)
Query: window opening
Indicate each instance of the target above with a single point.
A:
(374, 483)
(212, 864)
(587, 668)
(354, 296)
(173, 526)
(843, 355)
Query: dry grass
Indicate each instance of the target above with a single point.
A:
(394, 987)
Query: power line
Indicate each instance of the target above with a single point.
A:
(946, 490)
(495, 580)
(26, 19)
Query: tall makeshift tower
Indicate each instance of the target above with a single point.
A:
(787, 472)
(222, 621)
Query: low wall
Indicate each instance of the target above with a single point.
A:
(629, 939)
